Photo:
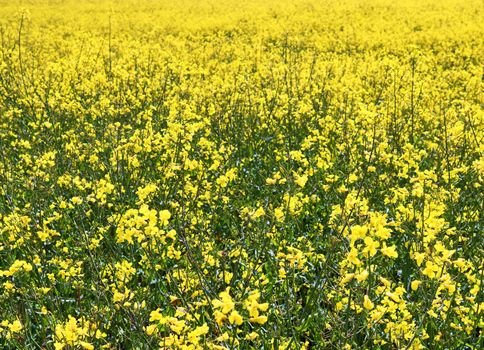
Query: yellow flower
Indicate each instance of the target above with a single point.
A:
(145, 192)
(270, 181)
(219, 317)
(278, 214)
(353, 257)
(177, 325)
(371, 246)
(358, 232)
(415, 284)
(430, 269)
(389, 251)
(156, 315)
(258, 319)
(86, 345)
(164, 216)
(419, 257)
(251, 336)
(362, 276)
(225, 303)
(76, 200)
(367, 303)
(151, 329)
(236, 318)
(194, 336)
(301, 180)
(258, 213)
(15, 326)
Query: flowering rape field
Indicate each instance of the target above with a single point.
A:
(241, 174)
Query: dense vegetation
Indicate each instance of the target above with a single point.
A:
(241, 174)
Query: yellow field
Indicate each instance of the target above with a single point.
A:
(241, 174)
